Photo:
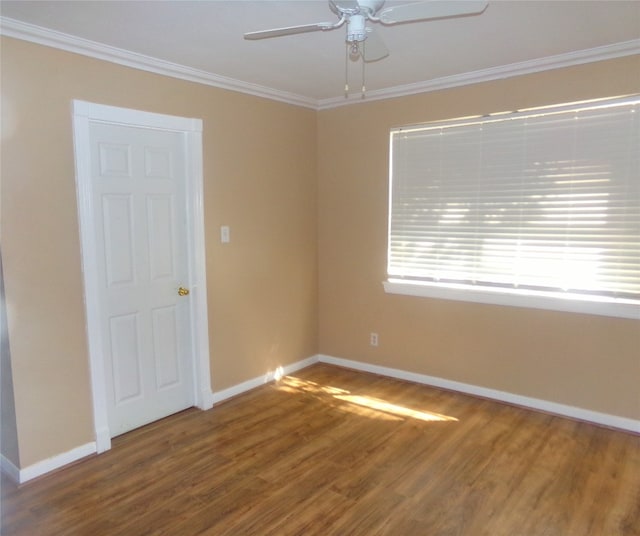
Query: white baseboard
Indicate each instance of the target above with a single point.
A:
(563, 410)
(50, 464)
(219, 396)
(103, 440)
(9, 468)
(21, 476)
(55, 462)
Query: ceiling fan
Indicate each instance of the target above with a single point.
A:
(355, 14)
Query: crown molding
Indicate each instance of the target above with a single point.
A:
(43, 36)
(606, 52)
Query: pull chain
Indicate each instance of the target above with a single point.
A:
(346, 71)
(362, 56)
(359, 49)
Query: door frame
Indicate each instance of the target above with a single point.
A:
(83, 114)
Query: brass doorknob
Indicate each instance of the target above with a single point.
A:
(183, 291)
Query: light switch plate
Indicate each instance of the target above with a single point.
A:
(225, 235)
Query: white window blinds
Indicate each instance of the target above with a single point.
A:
(547, 200)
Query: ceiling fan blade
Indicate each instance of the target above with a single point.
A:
(290, 30)
(374, 47)
(432, 9)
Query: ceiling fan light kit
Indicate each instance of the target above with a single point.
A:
(355, 14)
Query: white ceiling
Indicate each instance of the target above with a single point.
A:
(204, 39)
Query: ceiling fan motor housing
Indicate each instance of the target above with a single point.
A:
(356, 14)
(370, 6)
(356, 28)
(350, 8)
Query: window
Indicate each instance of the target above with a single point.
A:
(538, 208)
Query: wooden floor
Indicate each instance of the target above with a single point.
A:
(329, 451)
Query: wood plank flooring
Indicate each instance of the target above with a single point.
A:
(330, 451)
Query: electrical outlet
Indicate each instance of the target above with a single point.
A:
(373, 339)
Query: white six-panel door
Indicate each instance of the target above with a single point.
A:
(138, 193)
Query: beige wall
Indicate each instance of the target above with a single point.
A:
(586, 361)
(260, 179)
(304, 193)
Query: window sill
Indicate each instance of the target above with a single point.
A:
(517, 298)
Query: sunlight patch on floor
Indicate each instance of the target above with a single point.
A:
(394, 409)
(296, 384)
(278, 374)
(364, 405)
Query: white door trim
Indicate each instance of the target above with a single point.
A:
(83, 114)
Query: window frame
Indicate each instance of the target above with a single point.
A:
(547, 300)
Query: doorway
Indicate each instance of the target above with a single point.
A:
(139, 185)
